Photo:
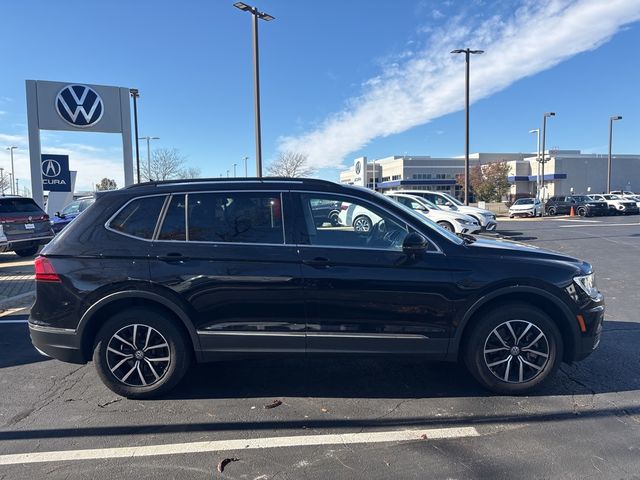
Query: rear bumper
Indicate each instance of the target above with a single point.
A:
(59, 343)
(12, 244)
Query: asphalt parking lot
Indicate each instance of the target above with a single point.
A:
(360, 418)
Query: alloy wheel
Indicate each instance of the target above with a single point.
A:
(516, 351)
(362, 224)
(138, 355)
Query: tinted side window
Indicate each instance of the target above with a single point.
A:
(139, 217)
(173, 226)
(239, 217)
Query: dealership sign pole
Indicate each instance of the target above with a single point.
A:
(78, 108)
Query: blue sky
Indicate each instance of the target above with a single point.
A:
(339, 79)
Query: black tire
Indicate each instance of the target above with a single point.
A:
(167, 373)
(490, 368)
(552, 211)
(582, 211)
(27, 252)
(447, 226)
(362, 223)
(334, 219)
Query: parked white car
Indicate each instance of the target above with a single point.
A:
(617, 204)
(485, 218)
(449, 220)
(528, 207)
(360, 218)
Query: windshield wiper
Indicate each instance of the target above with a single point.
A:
(468, 239)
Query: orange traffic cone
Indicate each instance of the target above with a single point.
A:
(572, 213)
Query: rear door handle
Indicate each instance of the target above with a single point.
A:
(317, 262)
(172, 257)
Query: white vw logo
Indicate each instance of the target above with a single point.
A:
(79, 105)
(51, 168)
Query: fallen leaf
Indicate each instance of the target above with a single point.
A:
(423, 436)
(225, 462)
(324, 410)
(274, 404)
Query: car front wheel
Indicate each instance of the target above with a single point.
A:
(447, 226)
(513, 348)
(141, 353)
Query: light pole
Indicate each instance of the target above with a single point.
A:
(135, 94)
(467, 54)
(227, 173)
(245, 166)
(256, 15)
(234, 170)
(17, 189)
(537, 131)
(148, 139)
(2, 180)
(11, 149)
(544, 136)
(611, 120)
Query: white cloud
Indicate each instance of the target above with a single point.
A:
(13, 139)
(414, 91)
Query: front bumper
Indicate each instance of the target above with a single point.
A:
(593, 317)
(59, 343)
(523, 213)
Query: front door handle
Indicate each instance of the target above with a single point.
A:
(172, 257)
(317, 262)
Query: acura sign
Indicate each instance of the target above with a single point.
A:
(55, 173)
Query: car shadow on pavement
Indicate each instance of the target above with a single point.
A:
(514, 235)
(612, 367)
(15, 345)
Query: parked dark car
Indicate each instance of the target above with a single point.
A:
(23, 226)
(326, 211)
(582, 205)
(62, 218)
(155, 276)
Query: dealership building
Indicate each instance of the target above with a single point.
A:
(565, 171)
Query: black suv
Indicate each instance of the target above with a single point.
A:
(155, 276)
(23, 226)
(582, 205)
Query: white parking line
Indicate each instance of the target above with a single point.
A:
(240, 444)
(576, 220)
(603, 225)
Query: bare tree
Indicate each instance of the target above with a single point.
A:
(167, 164)
(5, 184)
(290, 164)
(106, 184)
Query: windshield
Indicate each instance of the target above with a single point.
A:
(524, 201)
(611, 197)
(425, 221)
(18, 205)
(453, 199)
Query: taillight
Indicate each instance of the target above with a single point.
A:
(345, 206)
(45, 271)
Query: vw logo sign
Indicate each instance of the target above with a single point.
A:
(79, 106)
(51, 168)
(358, 168)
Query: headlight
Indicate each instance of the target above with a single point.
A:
(463, 221)
(588, 284)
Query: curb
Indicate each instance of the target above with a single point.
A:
(18, 300)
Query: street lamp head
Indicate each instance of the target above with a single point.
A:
(617, 117)
(155, 138)
(550, 114)
(476, 52)
(535, 130)
(134, 92)
(243, 6)
(266, 17)
(458, 51)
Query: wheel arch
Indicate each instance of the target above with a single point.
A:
(95, 315)
(535, 297)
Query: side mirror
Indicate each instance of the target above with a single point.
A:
(59, 215)
(414, 243)
(421, 208)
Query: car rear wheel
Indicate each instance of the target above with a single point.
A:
(582, 211)
(552, 211)
(27, 252)
(141, 353)
(513, 349)
(362, 223)
(446, 226)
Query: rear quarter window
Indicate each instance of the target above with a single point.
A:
(139, 217)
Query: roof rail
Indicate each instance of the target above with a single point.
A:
(159, 183)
